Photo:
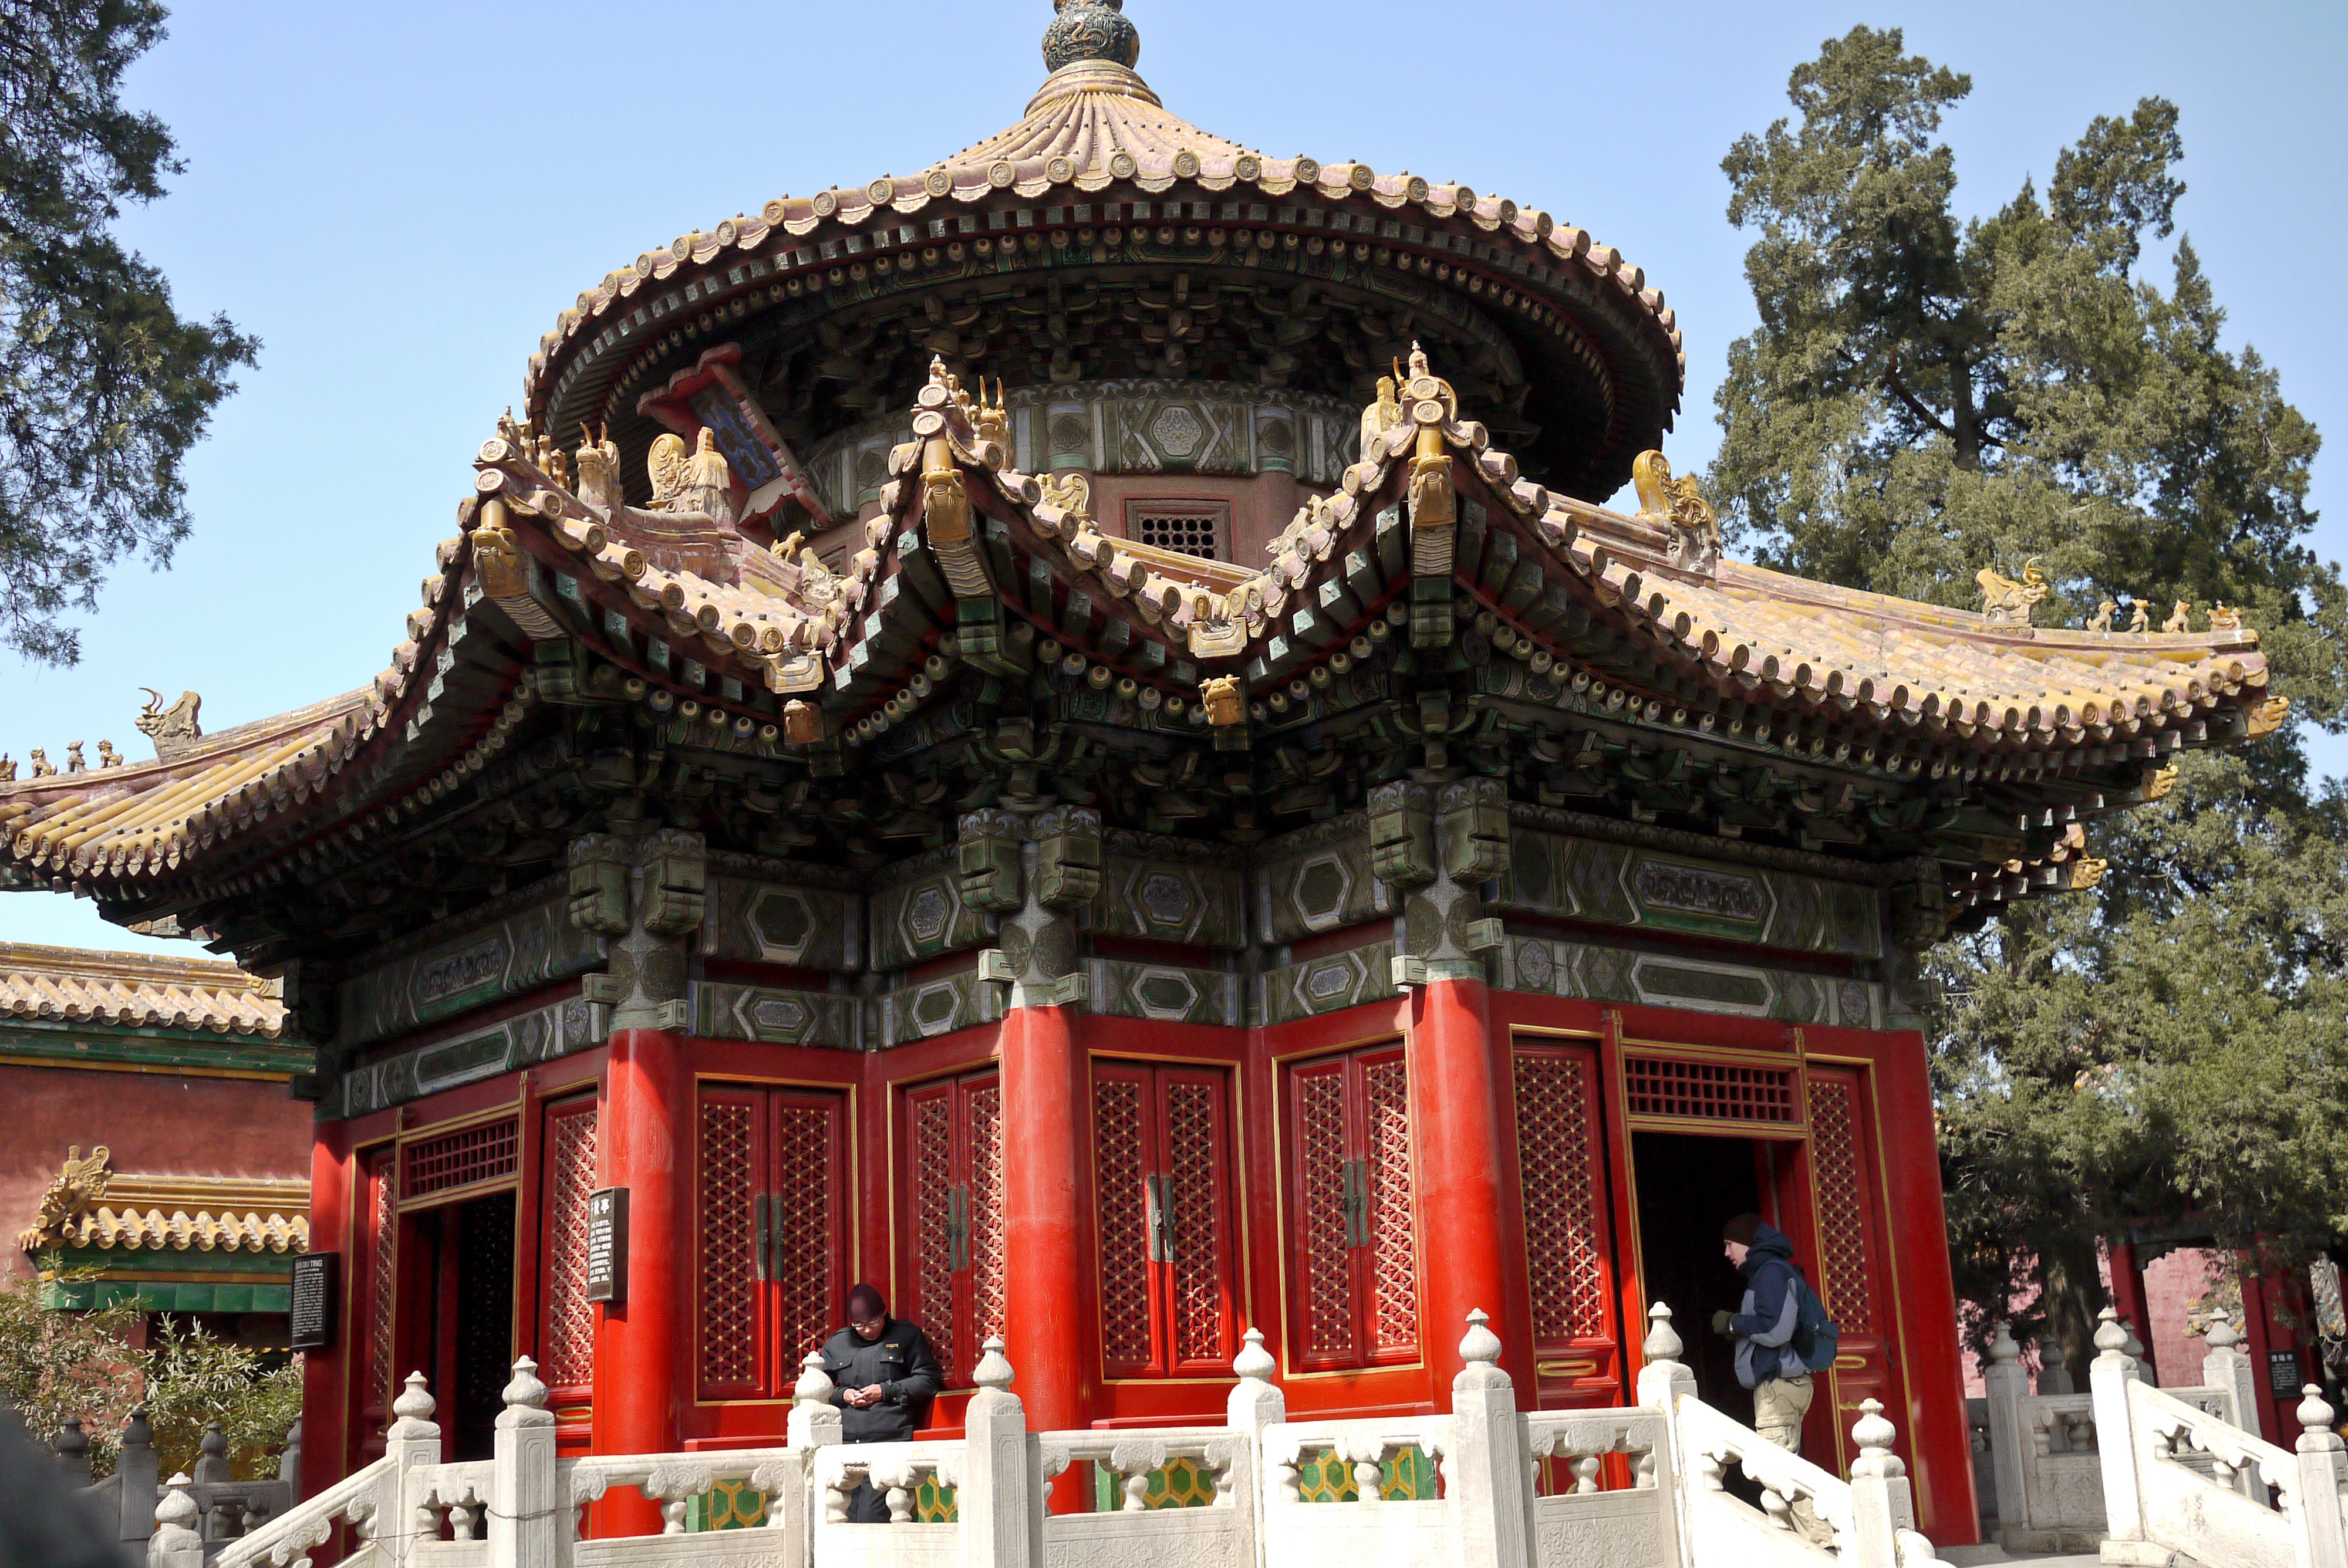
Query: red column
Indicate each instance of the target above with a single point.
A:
(639, 1344)
(2129, 1298)
(1457, 1126)
(328, 1428)
(1044, 1331)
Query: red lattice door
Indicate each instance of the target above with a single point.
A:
(566, 1327)
(1569, 1240)
(374, 1293)
(771, 1234)
(949, 1216)
(1162, 1189)
(1353, 1273)
(1852, 1274)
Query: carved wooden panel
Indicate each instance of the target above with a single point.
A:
(1854, 1265)
(731, 1153)
(1560, 1171)
(378, 1243)
(1843, 1261)
(1661, 1086)
(806, 1207)
(949, 1214)
(1165, 1231)
(469, 1156)
(566, 1318)
(1353, 1244)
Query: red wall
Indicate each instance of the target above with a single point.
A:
(156, 1124)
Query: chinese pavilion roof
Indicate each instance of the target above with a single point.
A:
(612, 639)
(1104, 237)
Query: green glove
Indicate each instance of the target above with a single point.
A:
(1720, 1322)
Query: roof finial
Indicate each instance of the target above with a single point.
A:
(1090, 30)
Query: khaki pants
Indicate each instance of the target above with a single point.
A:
(1778, 1406)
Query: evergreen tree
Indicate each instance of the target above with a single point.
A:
(1926, 396)
(103, 386)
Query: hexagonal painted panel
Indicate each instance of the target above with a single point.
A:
(783, 921)
(1326, 984)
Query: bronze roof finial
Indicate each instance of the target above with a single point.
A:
(1090, 30)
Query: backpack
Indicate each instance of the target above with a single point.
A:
(1817, 1338)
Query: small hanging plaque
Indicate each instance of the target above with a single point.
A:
(607, 1244)
(2283, 1372)
(313, 1300)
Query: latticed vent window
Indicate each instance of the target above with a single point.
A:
(1560, 1171)
(567, 1175)
(1711, 1091)
(1836, 1168)
(1191, 527)
(458, 1159)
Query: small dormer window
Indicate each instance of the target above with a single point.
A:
(1200, 528)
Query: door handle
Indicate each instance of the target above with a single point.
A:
(761, 1227)
(957, 1228)
(1157, 1198)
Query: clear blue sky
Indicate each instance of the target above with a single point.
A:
(397, 199)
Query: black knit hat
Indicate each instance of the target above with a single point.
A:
(1742, 1229)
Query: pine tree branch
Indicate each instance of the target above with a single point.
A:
(1899, 389)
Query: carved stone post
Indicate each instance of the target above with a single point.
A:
(813, 1421)
(2005, 1385)
(1880, 1503)
(526, 1528)
(2323, 1468)
(1256, 1401)
(289, 1461)
(1662, 1382)
(2226, 1367)
(136, 1464)
(412, 1443)
(2107, 1380)
(175, 1543)
(1491, 1469)
(1000, 1506)
(2053, 1372)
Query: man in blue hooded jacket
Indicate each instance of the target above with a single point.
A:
(1766, 1362)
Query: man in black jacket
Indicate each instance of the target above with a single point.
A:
(883, 1375)
(1766, 1362)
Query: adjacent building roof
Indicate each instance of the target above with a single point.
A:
(74, 985)
(192, 1213)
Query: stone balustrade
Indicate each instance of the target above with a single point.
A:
(1482, 1486)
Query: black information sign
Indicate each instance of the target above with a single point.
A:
(607, 1244)
(2282, 1371)
(313, 1300)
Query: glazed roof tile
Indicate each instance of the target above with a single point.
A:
(192, 1213)
(74, 985)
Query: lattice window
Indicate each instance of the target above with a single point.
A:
(934, 1213)
(383, 1282)
(1321, 1152)
(1394, 1273)
(806, 1282)
(986, 1211)
(568, 1340)
(1195, 1190)
(729, 1306)
(1711, 1091)
(1834, 1165)
(1191, 527)
(1564, 1247)
(1124, 1243)
(459, 1158)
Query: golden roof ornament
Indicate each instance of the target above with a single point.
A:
(1090, 30)
(173, 728)
(2141, 621)
(80, 1183)
(1679, 509)
(2182, 620)
(2006, 602)
(2102, 619)
(2224, 619)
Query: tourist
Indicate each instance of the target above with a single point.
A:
(883, 1375)
(1767, 1360)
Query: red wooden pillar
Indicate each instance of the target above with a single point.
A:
(1455, 1125)
(1043, 1329)
(640, 1343)
(326, 1374)
(2133, 1306)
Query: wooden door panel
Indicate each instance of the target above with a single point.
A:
(806, 1226)
(566, 1319)
(1852, 1276)
(1383, 1149)
(950, 1215)
(1322, 1202)
(730, 1261)
(1123, 1166)
(1200, 1298)
(1569, 1234)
